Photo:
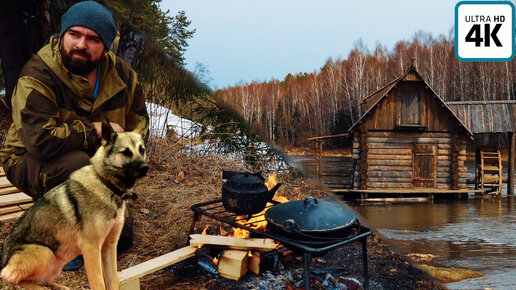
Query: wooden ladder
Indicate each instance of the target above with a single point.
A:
(491, 170)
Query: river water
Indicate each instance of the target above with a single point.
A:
(477, 233)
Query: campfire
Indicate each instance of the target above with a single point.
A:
(238, 255)
(308, 228)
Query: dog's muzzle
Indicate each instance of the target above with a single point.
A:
(137, 169)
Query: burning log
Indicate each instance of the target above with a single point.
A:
(233, 264)
(233, 243)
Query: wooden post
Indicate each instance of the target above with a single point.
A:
(510, 180)
(318, 157)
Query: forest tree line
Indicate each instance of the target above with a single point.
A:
(327, 102)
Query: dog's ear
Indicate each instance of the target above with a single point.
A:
(142, 125)
(108, 134)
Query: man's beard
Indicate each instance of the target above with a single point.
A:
(78, 66)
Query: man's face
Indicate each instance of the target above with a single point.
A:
(82, 50)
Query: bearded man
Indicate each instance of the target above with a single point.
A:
(62, 95)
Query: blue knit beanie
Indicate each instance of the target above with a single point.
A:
(92, 15)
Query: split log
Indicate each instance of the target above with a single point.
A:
(254, 262)
(408, 135)
(233, 264)
(372, 173)
(389, 179)
(390, 168)
(389, 156)
(401, 151)
(233, 243)
(391, 162)
(410, 140)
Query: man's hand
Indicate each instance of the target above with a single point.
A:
(98, 128)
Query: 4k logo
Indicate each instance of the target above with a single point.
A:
(484, 31)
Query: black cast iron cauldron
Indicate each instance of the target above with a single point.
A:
(245, 193)
(312, 221)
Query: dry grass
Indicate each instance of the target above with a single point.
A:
(162, 212)
(448, 275)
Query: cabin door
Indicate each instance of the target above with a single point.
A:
(424, 165)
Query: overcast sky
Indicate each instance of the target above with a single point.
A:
(241, 41)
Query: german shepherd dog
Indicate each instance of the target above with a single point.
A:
(83, 215)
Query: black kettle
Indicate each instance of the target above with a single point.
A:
(245, 193)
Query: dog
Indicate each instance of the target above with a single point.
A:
(83, 215)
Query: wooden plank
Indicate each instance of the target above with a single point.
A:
(155, 264)
(4, 182)
(8, 190)
(14, 198)
(25, 206)
(9, 209)
(11, 215)
(233, 243)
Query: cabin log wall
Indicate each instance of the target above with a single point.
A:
(388, 162)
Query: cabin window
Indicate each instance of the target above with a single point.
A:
(410, 108)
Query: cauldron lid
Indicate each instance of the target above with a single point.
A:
(311, 215)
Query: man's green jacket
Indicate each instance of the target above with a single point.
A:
(53, 109)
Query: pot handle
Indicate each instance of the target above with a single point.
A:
(289, 225)
(310, 201)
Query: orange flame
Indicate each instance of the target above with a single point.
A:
(257, 221)
(205, 230)
(215, 261)
(271, 181)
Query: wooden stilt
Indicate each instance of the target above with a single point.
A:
(510, 181)
(318, 157)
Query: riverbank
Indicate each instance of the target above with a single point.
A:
(162, 217)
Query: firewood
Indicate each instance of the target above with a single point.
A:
(233, 243)
(128, 276)
(254, 262)
(233, 264)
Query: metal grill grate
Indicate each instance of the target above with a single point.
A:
(215, 209)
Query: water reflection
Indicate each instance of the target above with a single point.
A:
(478, 234)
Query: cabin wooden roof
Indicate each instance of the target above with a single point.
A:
(376, 97)
(486, 117)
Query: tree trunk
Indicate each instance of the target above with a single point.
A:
(24, 27)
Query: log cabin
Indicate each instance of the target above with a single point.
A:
(409, 138)
(410, 141)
